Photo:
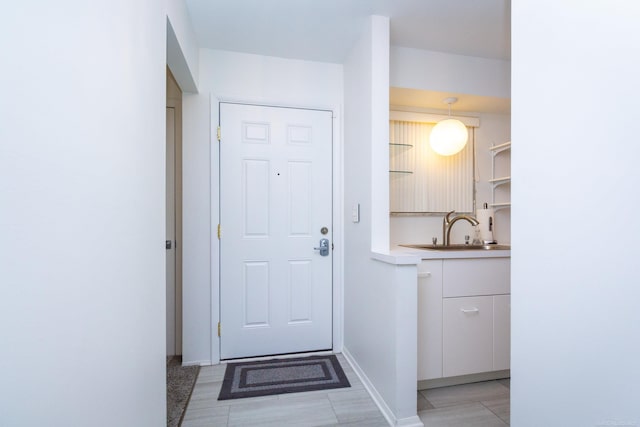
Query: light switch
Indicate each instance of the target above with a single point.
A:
(355, 213)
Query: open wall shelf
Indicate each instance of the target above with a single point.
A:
(501, 180)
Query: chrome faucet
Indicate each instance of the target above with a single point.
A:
(448, 222)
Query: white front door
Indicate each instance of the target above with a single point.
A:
(275, 207)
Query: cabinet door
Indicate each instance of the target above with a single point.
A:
(501, 332)
(478, 276)
(467, 335)
(429, 320)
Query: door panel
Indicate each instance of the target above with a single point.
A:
(255, 188)
(300, 291)
(275, 197)
(256, 294)
(299, 198)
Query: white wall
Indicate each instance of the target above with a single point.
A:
(494, 129)
(82, 262)
(575, 293)
(445, 72)
(182, 46)
(380, 305)
(239, 77)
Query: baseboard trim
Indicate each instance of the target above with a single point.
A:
(463, 379)
(377, 398)
(414, 421)
(197, 363)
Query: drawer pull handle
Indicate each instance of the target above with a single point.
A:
(470, 310)
(425, 274)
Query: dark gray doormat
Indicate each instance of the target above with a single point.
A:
(279, 376)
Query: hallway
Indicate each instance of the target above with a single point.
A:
(347, 406)
(484, 404)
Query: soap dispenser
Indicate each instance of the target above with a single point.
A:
(476, 236)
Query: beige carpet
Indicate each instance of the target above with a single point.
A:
(180, 382)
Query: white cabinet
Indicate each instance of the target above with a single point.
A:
(463, 316)
(476, 276)
(430, 319)
(467, 329)
(501, 332)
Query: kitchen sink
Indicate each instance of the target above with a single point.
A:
(460, 247)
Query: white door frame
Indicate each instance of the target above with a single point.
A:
(338, 217)
(170, 235)
(176, 104)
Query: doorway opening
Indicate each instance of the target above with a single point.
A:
(173, 243)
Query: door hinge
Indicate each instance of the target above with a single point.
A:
(219, 231)
(219, 134)
(218, 328)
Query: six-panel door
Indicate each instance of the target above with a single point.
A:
(275, 200)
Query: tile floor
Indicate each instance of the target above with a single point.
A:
(481, 404)
(338, 407)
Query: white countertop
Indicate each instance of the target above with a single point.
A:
(401, 251)
(400, 255)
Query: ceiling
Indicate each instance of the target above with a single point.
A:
(430, 99)
(325, 30)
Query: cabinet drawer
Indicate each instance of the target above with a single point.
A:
(479, 276)
(467, 335)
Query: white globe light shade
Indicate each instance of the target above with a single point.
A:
(448, 137)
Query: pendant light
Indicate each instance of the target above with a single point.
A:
(448, 136)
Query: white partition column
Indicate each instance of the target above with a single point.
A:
(380, 294)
